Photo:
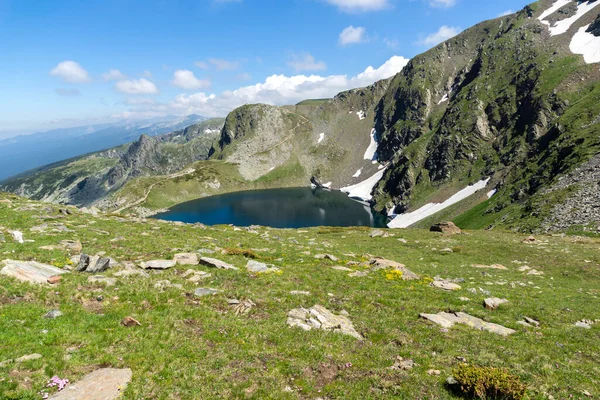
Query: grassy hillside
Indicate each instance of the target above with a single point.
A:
(197, 347)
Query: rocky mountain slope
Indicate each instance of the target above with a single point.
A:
(478, 129)
(90, 179)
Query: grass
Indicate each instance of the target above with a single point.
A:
(190, 348)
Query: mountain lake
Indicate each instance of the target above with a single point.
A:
(277, 208)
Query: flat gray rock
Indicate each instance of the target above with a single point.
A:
(213, 262)
(340, 268)
(492, 303)
(186, 258)
(53, 314)
(447, 320)
(102, 384)
(446, 285)
(379, 263)
(200, 292)
(30, 271)
(104, 280)
(158, 264)
(101, 265)
(318, 317)
(258, 267)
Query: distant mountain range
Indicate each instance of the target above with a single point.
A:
(23, 153)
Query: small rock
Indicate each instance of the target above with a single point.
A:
(300, 292)
(446, 227)
(447, 320)
(73, 246)
(131, 272)
(158, 264)
(402, 364)
(130, 322)
(258, 267)
(17, 236)
(379, 233)
(435, 372)
(492, 303)
(446, 285)
(531, 321)
(53, 314)
(200, 292)
(54, 279)
(493, 266)
(327, 257)
(584, 323)
(102, 280)
(102, 384)
(318, 317)
(101, 265)
(213, 262)
(30, 271)
(530, 240)
(186, 259)
(340, 268)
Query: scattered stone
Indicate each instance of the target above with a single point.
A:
(53, 314)
(318, 317)
(358, 274)
(186, 259)
(379, 263)
(435, 372)
(30, 271)
(206, 251)
(446, 227)
(446, 285)
(340, 268)
(196, 276)
(300, 293)
(131, 272)
(102, 384)
(327, 257)
(103, 280)
(258, 267)
(100, 266)
(584, 323)
(130, 321)
(531, 321)
(493, 266)
(492, 303)
(17, 236)
(158, 264)
(200, 292)
(379, 233)
(20, 360)
(213, 262)
(73, 246)
(447, 320)
(402, 365)
(530, 240)
(165, 284)
(241, 307)
(54, 279)
(446, 250)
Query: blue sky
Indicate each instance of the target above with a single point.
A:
(65, 63)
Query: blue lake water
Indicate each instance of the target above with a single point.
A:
(278, 208)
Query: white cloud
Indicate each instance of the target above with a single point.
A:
(275, 90)
(224, 64)
(351, 35)
(505, 13)
(442, 3)
(67, 92)
(442, 34)
(201, 64)
(306, 62)
(391, 43)
(136, 86)
(113, 75)
(147, 74)
(185, 79)
(70, 72)
(353, 6)
(244, 76)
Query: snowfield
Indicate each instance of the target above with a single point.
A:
(357, 173)
(321, 137)
(361, 115)
(407, 219)
(586, 44)
(563, 26)
(371, 153)
(363, 189)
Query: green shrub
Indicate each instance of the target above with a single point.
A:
(488, 383)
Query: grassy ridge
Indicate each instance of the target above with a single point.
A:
(189, 348)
